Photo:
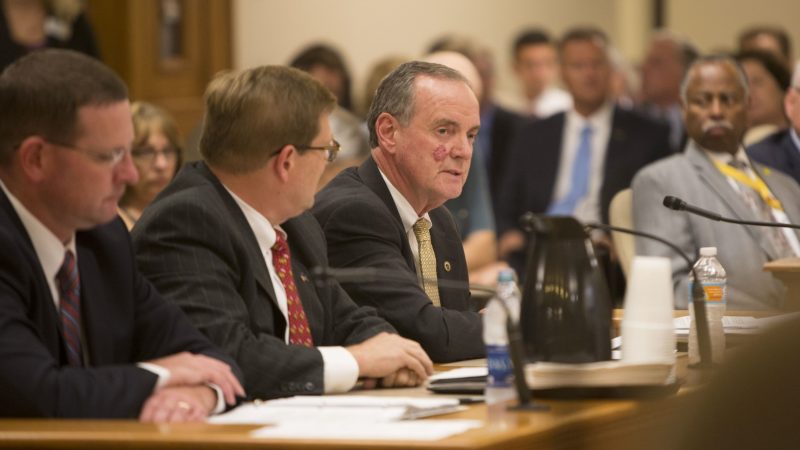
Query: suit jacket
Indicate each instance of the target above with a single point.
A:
(124, 319)
(742, 250)
(778, 151)
(363, 227)
(196, 246)
(533, 166)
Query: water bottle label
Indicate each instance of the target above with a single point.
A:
(501, 371)
(714, 292)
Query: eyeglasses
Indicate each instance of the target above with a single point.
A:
(331, 151)
(107, 158)
(147, 154)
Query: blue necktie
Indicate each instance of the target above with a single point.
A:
(580, 176)
(69, 287)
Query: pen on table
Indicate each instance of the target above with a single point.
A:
(470, 400)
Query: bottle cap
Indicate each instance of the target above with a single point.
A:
(506, 275)
(708, 251)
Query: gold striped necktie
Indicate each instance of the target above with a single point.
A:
(427, 260)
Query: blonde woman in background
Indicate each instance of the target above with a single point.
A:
(157, 155)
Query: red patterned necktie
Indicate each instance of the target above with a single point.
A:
(69, 287)
(299, 333)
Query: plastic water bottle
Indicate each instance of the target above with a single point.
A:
(500, 382)
(712, 276)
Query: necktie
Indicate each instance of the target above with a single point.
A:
(763, 211)
(427, 260)
(299, 332)
(69, 290)
(579, 176)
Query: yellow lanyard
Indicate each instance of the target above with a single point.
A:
(756, 183)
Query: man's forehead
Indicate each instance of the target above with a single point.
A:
(715, 75)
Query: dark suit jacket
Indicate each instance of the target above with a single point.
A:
(125, 321)
(196, 246)
(779, 152)
(364, 229)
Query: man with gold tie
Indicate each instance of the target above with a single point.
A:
(229, 241)
(715, 173)
(388, 212)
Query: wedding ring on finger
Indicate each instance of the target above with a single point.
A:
(184, 406)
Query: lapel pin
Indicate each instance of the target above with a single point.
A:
(447, 266)
(303, 278)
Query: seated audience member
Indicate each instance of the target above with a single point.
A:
(535, 64)
(326, 65)
(774, 40)
(768, 81)
(82, 333)
(157, 156)
(29, 25)
(228, 240)
(388, 214)
(714, 173)
(665, 62)
(782, 149)
(574, 162)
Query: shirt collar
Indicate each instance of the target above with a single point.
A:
(724, 157)
(407, 213)
(263, 230)
(49, 249)
(599, 119)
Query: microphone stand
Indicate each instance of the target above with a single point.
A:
(326, 275)
(698, 295)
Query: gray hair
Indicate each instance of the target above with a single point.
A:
(395, 94)
(715, 59)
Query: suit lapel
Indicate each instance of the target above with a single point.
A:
(791, 153)
(92, 289)
(239, 225)
(371, 176)
(790, 207)
(719, 185)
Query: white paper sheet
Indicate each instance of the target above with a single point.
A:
(415, 430)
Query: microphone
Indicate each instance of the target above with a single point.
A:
(698, 295)
(327, 275)
(677, 204)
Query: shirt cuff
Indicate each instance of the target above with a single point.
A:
(162, 373)
(220, 407)
(340, 369)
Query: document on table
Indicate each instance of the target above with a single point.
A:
(338, 408)
(409, 430)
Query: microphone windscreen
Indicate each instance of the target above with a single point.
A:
(674, 203)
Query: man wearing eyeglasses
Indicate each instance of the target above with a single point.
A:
(82, 333)
(388, 212)
(229, 240)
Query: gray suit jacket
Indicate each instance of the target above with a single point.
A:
(196, 246)
(742, 250)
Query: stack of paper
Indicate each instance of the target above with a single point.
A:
(547, 375)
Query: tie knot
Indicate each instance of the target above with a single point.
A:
(735, 163)
(421, 227)
(586, 131)
(68, 269)
(280, 245)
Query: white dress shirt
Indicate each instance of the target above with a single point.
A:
(340, 369)
(408, 216)
(588, 208)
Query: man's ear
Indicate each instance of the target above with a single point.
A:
(386, 127)
(284, 162)
(33, 158)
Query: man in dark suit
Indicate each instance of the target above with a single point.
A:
(388, 212)
(82, 333)
(228, 240)
(782, 149)
(573, 163)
